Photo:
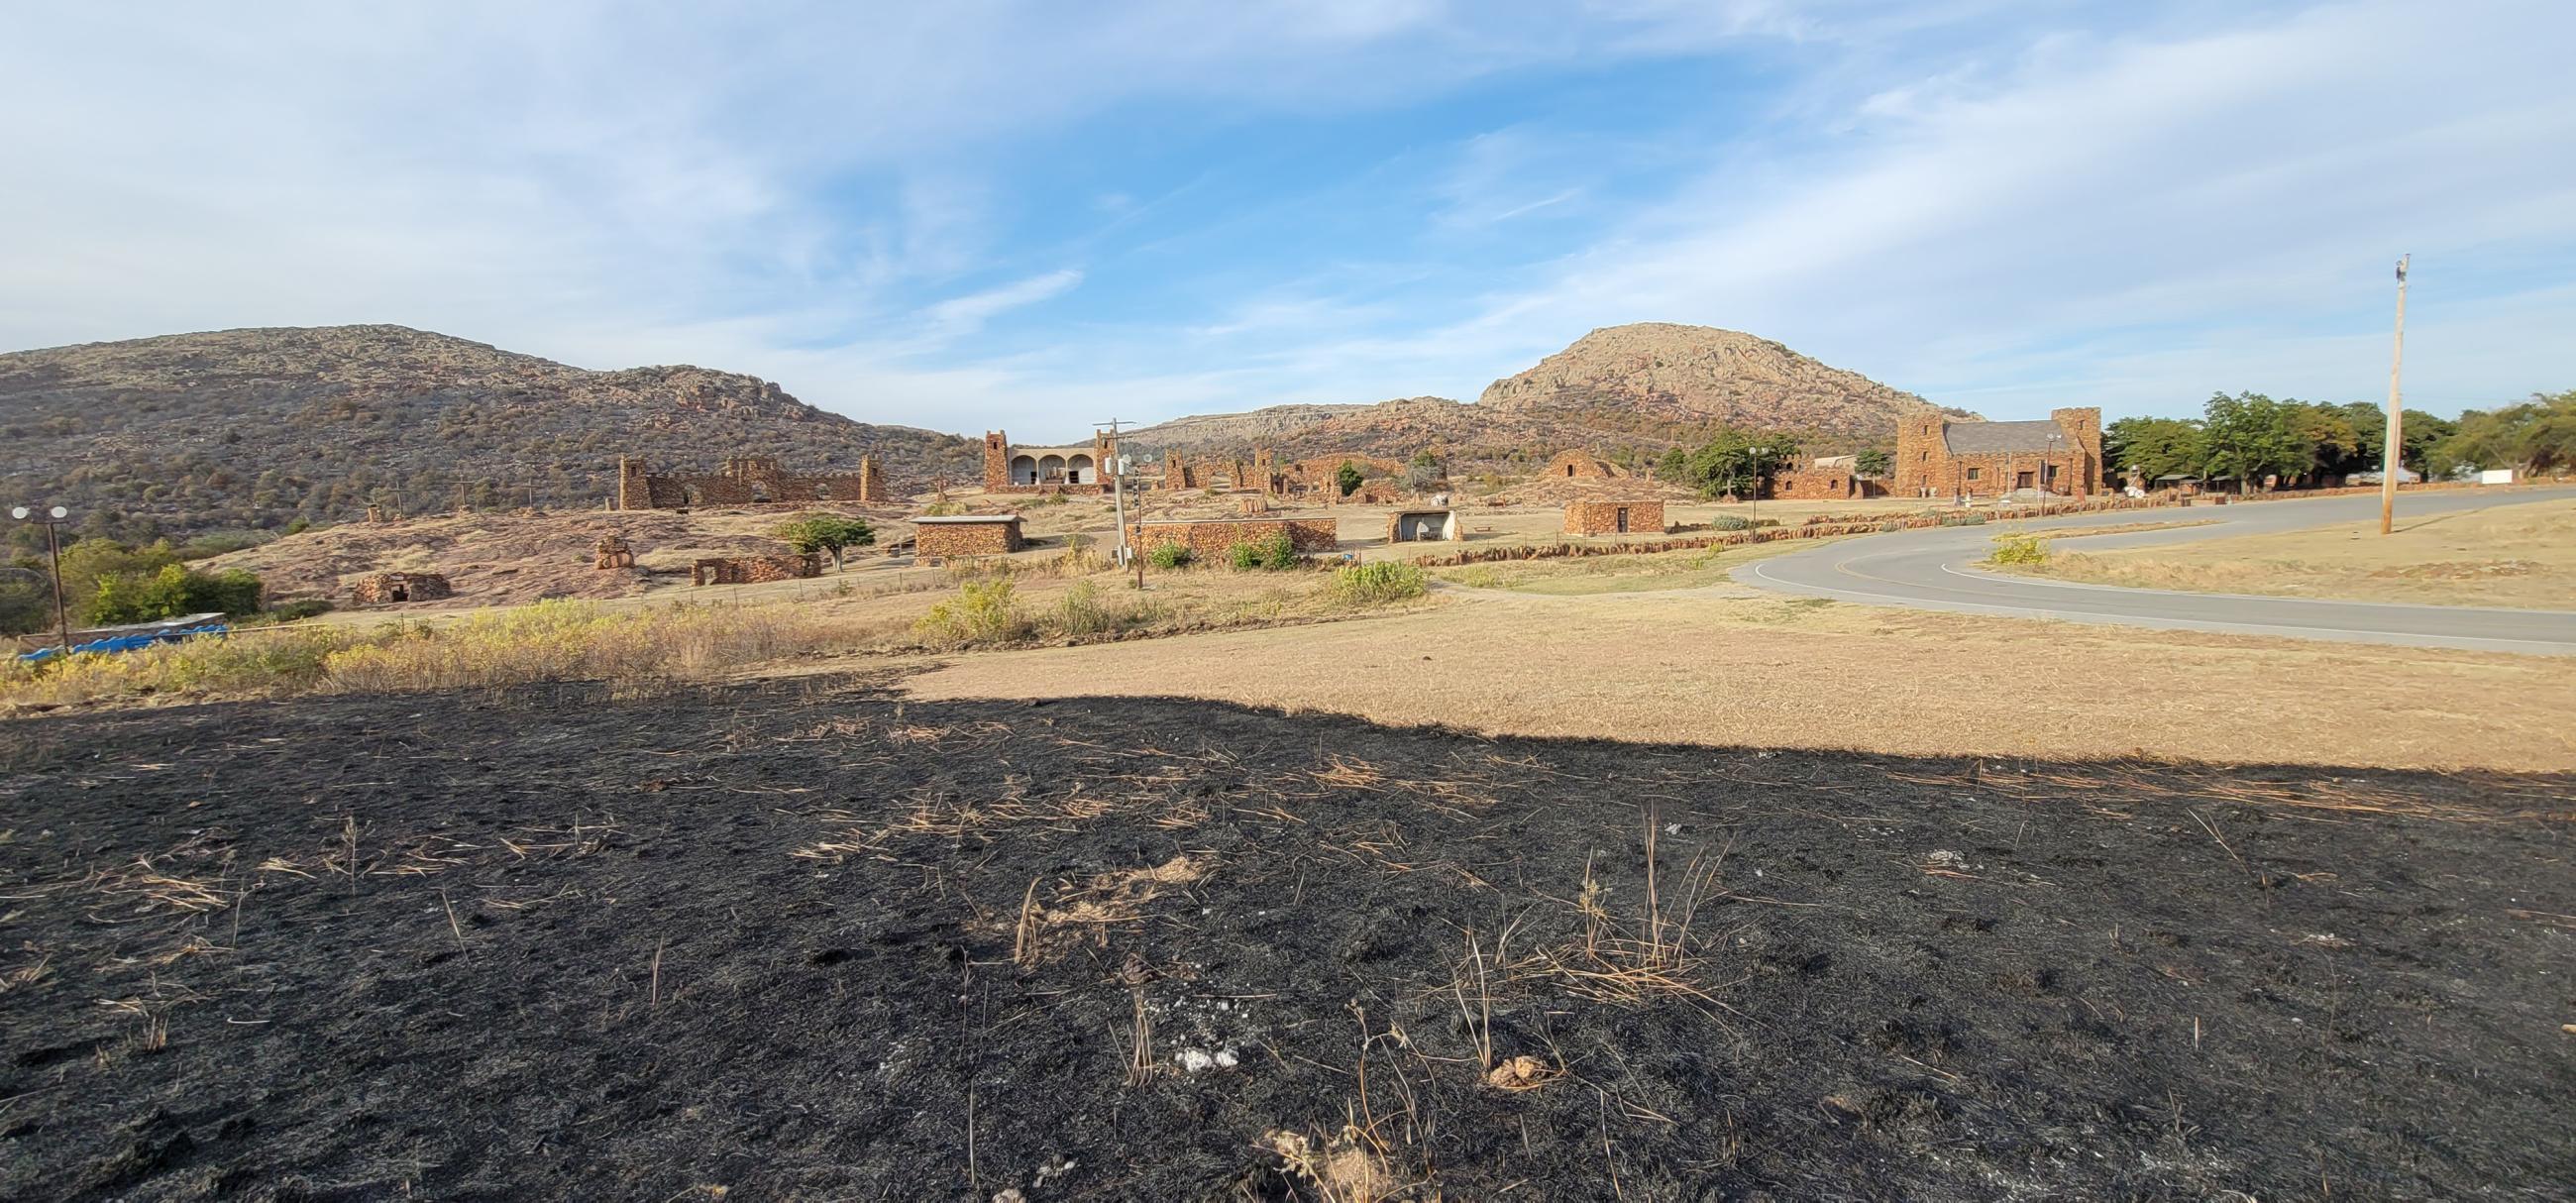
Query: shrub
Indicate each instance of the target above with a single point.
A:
(1277, 551)
(172, 591)
(1080, 615)
(297, 611)
(1168, 556)
(1243, 556)
(2019, 549)
(983, 612)
(1729, 522)
(943, 509)
(1378, 584)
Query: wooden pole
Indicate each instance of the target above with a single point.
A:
(62, 613)
(2393, 456)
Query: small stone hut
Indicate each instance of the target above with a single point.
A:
(967, 535)
(1614, 517)
(385, 588)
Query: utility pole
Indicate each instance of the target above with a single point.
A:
(53, 549)
(1118, 492)
(2393, 457)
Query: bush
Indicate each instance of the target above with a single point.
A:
(1243, 556)
(2019, 549)
(1378, 584)
(1277, 551)
(1729, 522)
(983, 612)
(1080, 615)
(296, 611)
(174, 590)
(1168, 556)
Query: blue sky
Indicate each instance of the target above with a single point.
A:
(1038, 215)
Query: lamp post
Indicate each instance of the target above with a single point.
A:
(1753, 495)
(54, 552)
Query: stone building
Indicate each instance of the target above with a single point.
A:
(1826, 478)
(1210, 538)
(1074, 469)
(385, 588)
(966, 535)
(1941, 456)
(744, 480)
(1580, 465)
(1614, 517)
(751, 570)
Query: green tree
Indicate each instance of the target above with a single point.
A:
(1736, 462)
(172, 591)
(1348, 477)
(2250, 436)
(2154, 447)
(1876, 463)
(826, 533)
(2536, 436)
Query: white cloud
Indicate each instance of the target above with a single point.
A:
(1993, 210)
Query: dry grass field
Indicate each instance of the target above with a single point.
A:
(2517, 557)
(1727, 665)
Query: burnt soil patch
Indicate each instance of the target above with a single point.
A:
(804, 940)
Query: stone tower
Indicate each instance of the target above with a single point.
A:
(997, 461)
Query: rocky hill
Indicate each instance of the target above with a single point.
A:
(254, 427)
(1639, 388)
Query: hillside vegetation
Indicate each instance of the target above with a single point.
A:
(254, 428)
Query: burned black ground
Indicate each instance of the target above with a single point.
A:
(763, 939)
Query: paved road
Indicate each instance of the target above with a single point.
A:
(1934, 570)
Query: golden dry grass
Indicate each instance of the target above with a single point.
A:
(1734, 666)
(2516, 556)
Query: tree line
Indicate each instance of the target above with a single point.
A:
(2250, 437)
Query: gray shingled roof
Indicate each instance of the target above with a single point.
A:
(1991, 438)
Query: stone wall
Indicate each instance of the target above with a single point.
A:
(745, 480)
(750, 570)
(1603, 517)
(1209, 539)
(942, 540)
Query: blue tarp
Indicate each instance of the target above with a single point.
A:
(127, 643)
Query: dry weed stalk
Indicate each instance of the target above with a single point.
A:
(1660, 958)
(153, 888)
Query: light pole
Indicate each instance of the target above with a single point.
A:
(1753, 496)
(54, 552)
(1117, 466)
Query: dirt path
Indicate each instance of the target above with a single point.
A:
(1731, 666)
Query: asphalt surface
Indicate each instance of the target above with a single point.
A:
(1935, 569)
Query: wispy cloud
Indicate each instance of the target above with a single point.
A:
(1017, 212)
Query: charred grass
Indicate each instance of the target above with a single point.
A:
(805, 939)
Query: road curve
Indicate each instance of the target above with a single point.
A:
(1934, 569)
